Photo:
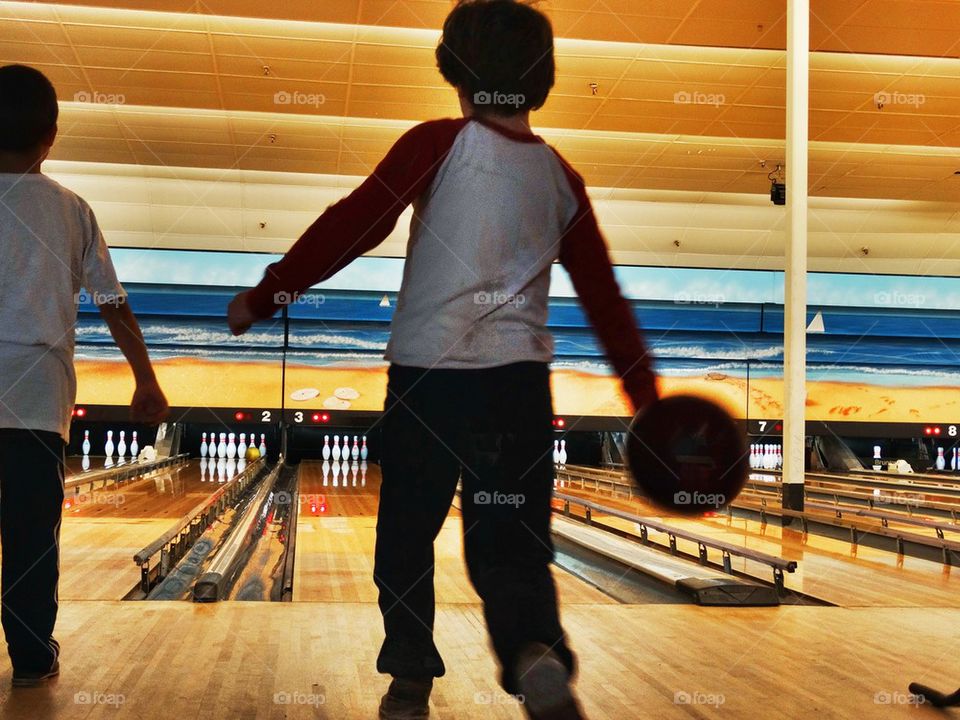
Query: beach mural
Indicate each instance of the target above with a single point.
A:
(881, 348)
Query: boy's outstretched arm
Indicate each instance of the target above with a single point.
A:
(583, 253)
(351, 227)
(149, 404)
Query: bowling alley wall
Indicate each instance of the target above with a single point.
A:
(881, 348)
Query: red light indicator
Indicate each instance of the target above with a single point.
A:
(936, 431)
(325, 417)
(560, 422)
(316, 417)
(80, 412)
(928, 431)
(239, 415)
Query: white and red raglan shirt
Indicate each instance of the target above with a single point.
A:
(493, 210)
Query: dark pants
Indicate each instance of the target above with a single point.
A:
(491, 429)
(31, 499)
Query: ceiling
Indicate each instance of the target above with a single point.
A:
(326, 87)
(911, 27)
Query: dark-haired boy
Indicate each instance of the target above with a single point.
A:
(468, 392)
(50, 248)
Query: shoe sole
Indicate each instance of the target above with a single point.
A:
(547, 685)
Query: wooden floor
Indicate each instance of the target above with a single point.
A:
(829, 569)
(243, 660)
(336, 534)
(103, 529)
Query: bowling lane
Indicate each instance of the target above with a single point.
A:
(828, 568)
(336, 534)
(102, 529)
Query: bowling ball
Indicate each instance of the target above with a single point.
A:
(687, 455)
(252, 454)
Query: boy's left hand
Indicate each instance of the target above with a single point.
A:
(239, 317)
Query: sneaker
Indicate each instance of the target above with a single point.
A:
(407, 700)
(35, 679)
(544, 683)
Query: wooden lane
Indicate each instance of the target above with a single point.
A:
(828, 568)
(103, 529)
(336, 535)
(317, 660)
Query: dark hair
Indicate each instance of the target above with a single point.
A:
(28, 108)
(498, 54)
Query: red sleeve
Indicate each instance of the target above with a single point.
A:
(360, 221)
(583, 253)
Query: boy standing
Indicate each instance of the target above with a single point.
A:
(50, 248)
(468, 390)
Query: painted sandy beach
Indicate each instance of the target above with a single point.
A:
(204, 383)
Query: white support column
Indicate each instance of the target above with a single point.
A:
(795, 283)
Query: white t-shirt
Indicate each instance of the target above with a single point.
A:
(50, 248)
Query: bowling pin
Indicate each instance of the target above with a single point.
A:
(242, 447)
(231, 468)
(108, 448)
(86, 442)
(122, 445)
(241, 464)
(563, 453)
(222, 448)
(955, 460)
(203, 469)
(355, 450)
(85, 463)
(877, 464)
(326, 448)
(263, 445)
(335, 452)
(134, 446)
(363, 449)
(363, 473)
(556, 452)
(222, 468)
(203, 446)
(326, 471)
(231, 446)
(779, 457)
(941, 461)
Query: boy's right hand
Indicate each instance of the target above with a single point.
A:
(149, 405)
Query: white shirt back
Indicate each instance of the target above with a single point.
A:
(50, 248)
